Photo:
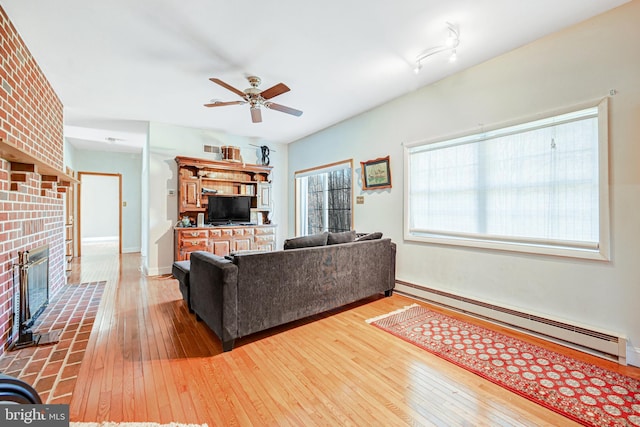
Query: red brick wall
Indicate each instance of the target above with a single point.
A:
(31, 118)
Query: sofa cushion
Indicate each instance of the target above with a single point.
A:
(180, 271)
(369, 236)
(319, 239)
(342, 237)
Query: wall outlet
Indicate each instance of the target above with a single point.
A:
(360, 200)
(171, 192)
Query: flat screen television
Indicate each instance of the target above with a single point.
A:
(229, 209)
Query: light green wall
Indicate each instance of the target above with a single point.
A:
(130, 166)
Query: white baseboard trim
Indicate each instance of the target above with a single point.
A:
(156, 271)
(633, 356)
(99, 239)
(131, 250)
(608, 345)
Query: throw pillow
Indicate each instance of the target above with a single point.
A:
(342, 237)
(370, 236)
(319, 239)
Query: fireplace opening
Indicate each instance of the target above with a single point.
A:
(31, 296)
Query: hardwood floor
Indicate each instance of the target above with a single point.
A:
(148, 359)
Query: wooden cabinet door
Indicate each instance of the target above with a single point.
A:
(190, 194)
(221, 247)
(242, 243)
(263, 196)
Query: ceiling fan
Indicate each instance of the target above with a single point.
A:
(256, 98)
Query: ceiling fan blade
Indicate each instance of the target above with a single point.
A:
(282, 108)
(228, 87)
(222, 104)
(276, 90)
(256, 115)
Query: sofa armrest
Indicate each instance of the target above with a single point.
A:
(392, 273)
(214, 294)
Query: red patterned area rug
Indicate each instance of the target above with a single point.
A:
(586, 393)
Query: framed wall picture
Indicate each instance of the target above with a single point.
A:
(376, 174)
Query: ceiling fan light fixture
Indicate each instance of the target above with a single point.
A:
(256, 114)
(451, 43)
(255, 97)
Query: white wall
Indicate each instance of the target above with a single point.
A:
(573, 66)
(129, 165)
(100, 199)
(166, 142)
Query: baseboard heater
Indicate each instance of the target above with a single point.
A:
(589, 340)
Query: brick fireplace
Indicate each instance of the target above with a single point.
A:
(31, 205)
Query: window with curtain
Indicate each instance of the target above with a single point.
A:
(323, 198)
(539, 186)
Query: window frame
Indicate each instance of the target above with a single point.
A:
(601, 252)
(313, 171)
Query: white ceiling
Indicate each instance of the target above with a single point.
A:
(117, 64)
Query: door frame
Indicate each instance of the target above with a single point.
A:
(79, 205)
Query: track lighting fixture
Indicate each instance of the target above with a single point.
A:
(451, 43)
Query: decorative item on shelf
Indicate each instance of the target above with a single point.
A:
(264, 154)
(186, 222)
(231, 154)
(376, 174)
(209, 190)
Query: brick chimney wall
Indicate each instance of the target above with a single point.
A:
(31, 213)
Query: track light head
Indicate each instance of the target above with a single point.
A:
(451, 43)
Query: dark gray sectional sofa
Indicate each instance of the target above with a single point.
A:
(239, 295)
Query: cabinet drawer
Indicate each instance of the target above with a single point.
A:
(265, 238)
(221, 233)
(264, 230)
(194, 244)
(238, 231)
(192, 234)
(265, 246)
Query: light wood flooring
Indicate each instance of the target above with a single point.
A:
(148, 359)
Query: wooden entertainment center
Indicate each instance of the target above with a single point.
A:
(200, 178)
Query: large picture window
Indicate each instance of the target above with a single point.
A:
(539, 186)
(323, 198)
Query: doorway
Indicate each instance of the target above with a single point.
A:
(100, 212)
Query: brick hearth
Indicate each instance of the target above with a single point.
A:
(53, 369)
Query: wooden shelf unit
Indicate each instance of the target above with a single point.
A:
(222, 178)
